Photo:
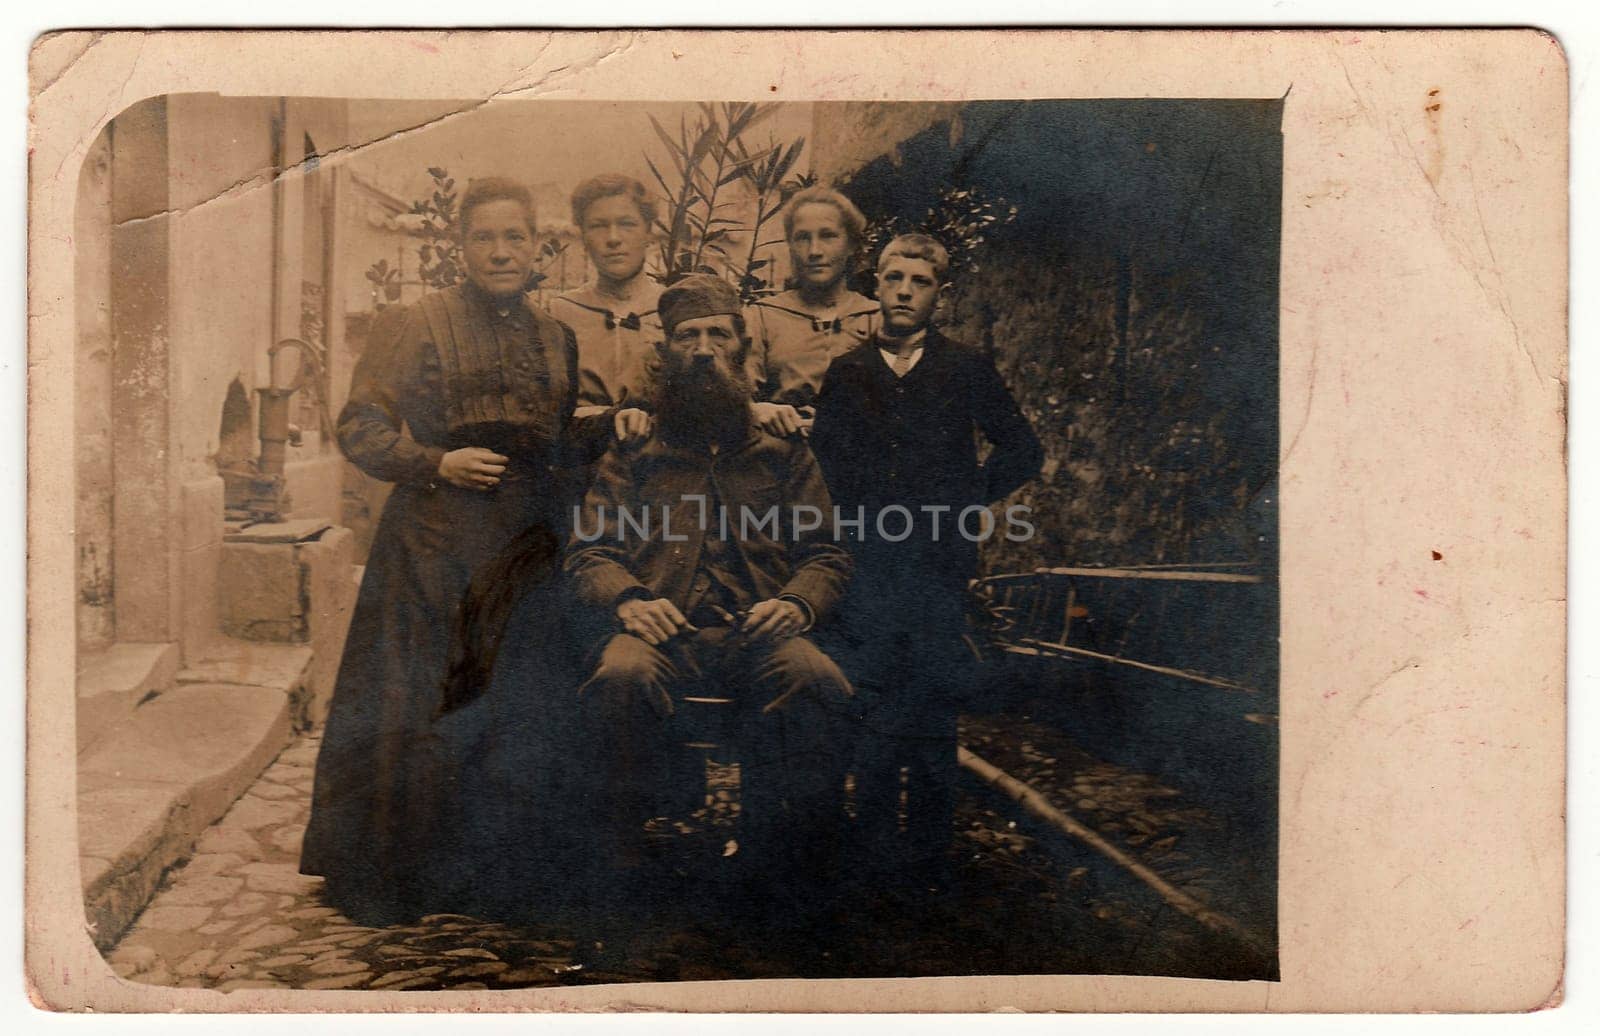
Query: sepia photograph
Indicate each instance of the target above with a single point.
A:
(554, 542)
(631, 542)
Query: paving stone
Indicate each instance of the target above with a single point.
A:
(337, 966)
(252, 924)
(302, 754)
(469, 985)
(265, 790)
(131, 957)
(229, 840)
(156, 976)
(525, 976)
(192, 983)
(217, 927)
(329, 942)
(174, 918)
(338, 982)
(283, 960)
(196, 891)
(310, 912)
(414, 982)
(234, 964)
(206, 865)
(271, 935)
(245, 903)
(278, 877)
(250, 983)
(195, 963)
(488, 967)
(285, 901)
(395, 977)
(252, 813)
(471, 951)
(392, 950)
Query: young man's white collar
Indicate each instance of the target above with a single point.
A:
(914, 339)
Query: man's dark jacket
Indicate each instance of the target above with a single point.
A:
(609, 558)
(884, 440)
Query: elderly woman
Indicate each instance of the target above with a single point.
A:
(613, 316)
(487, 386)
(799, 332)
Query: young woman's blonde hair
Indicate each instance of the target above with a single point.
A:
(855, 224)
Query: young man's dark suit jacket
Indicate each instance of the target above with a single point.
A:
(885, 440)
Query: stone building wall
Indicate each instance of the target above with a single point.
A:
(195, 246)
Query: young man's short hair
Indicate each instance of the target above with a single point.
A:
(855, 224)
(917, 246)
(611, 185)
(495, 188)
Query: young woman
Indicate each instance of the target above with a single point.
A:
(614, 315)
(798, 333)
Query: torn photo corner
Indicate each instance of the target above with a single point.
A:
(1087, 533)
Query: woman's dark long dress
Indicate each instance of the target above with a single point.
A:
(465, 370)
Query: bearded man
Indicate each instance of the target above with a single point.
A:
(707, 550)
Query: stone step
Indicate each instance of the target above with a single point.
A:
(172, 770)
(114, 680)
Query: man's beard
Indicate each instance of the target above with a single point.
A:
(698, 403)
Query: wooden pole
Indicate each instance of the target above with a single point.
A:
(1040, 807)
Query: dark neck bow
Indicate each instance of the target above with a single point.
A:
(819, 325)
(631, 321)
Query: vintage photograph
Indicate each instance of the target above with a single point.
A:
(554, 530)
(564, 542)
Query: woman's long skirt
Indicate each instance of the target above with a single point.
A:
(383, 762)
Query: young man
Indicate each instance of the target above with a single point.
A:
(895, 435)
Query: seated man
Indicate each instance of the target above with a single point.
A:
(707, 548)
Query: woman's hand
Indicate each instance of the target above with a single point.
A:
(473, 467)
(631, 425)
(778, 419)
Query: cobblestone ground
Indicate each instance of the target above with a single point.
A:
(239, 915)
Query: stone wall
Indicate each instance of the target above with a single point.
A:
(846, 135)
(196, 250)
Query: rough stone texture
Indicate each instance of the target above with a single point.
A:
(227, 842)
(211, 740)
(847, 135)
(113, 681)
(1015, 907)
(329, 568)
(144, 547)
(263, 592)
(286, 532)
(93, 445)
(200, 504)
(203, 891)
(249, 663)
(147, 795)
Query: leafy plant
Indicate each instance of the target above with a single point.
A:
(709, 161)
(439, 255)
(961, 219)
(385, 283)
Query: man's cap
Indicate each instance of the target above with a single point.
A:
(698, 295)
